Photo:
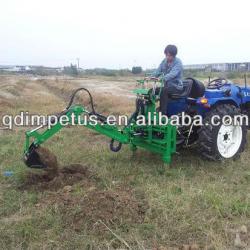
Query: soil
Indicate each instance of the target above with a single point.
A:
(49, 160)
(93, 207)
(54, 177)
(65, 176)
(5, 103)
(111, 207)
(101, 207)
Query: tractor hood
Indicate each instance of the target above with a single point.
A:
(214, 93)
(227, 93)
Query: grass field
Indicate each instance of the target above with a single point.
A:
(118, 200)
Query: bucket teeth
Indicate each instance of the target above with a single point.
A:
(40, 157)
(32, 159)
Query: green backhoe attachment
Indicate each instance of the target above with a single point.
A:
(155, 138)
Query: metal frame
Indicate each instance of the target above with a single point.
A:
(145, 138)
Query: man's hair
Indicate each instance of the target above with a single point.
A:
(171, 49)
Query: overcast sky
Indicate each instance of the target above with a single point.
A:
(120, 34)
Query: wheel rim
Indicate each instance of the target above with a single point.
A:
(229, 140)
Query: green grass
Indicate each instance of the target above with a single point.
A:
(190, 201)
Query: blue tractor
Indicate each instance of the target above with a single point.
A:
(215, 140)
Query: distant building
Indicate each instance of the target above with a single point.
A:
(245, 66)
(15, 68)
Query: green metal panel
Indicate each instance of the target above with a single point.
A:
(140, 91)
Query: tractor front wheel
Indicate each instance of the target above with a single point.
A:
(222, 141)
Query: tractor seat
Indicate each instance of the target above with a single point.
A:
(191, 88)
(187, 86)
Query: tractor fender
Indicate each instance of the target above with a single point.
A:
(225, 101)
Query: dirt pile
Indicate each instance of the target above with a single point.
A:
(65, 176)
(49, 160)
(91, 205)
(100, 207)
(54, 177)
(5, 103)
(111, 207)
(5, 106)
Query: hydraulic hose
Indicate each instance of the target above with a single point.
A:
(101, 118)
(73, 97)
(139, 106)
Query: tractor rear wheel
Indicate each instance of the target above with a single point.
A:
(221, 142)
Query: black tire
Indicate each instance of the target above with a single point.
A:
(207, 141)
(248, 114)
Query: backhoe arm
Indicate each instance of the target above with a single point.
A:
(34, 138)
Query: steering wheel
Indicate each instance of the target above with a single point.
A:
(217, 83)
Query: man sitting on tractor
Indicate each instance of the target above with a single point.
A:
(171, 70)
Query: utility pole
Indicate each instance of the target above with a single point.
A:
(78, 62)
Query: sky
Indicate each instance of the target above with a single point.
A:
(122, 33)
